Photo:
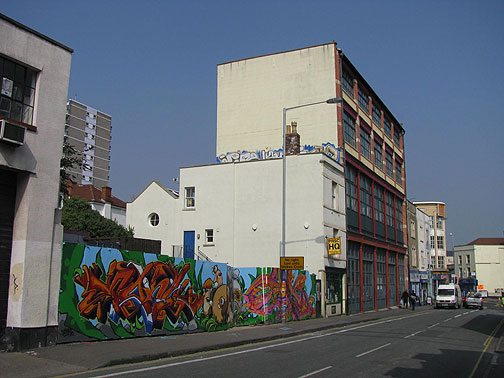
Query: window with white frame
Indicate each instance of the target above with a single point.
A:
(432, 242)
(441, 261)
(190, 200)
(209, 236)
(468, 259)
(440, 242)
(413, 229)
(334, 195)
(460, 260)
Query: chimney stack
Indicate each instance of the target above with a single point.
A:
(292, 140)
(106, 194)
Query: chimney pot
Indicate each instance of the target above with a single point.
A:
(106, 193)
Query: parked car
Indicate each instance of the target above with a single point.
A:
(474, 300)
(484, 293)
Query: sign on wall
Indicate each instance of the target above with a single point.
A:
(292, 263)
(334, 246)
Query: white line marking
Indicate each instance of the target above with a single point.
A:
(432, 326)
(468, 312)
(372, 350)
(458, 316)
(413, 334)
(315, 372)
(248, 350)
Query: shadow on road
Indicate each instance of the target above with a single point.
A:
(450, 363)
(480, 323)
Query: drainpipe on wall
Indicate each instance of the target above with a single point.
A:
(322, 276)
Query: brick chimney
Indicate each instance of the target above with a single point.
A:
(292, 139)
(106, 193)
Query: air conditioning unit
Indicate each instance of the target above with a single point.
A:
(11, 133)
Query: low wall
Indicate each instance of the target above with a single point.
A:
(106, 293)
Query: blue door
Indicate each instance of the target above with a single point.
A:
(189, 245)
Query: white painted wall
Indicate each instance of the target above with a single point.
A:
(489, 261)
(423, 232)
(110, 212)
(36, 249)
(156, 199)
(486, 260)
(242, 203)
(269, 84)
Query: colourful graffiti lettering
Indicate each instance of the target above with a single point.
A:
(107, 293)
(265, 296)
(238, 156)
(153, 294)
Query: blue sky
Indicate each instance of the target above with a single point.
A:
(151, 65)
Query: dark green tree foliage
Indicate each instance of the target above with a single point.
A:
(70, 159)
(78, 216)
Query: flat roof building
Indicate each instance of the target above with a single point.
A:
(89, 131)
(34, 76)
(252, 96)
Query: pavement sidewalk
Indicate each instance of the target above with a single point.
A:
(64, 359)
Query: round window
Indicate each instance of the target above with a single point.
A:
(154, 219)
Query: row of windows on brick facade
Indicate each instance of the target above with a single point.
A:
(17, 92)
(378, 116)
(371, 209)
(349, 134)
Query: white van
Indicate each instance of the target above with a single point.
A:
(449, 295)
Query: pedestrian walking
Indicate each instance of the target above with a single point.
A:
(405, 298)
(412, 297)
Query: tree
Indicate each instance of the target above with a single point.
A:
(70, 159)
(77, 215)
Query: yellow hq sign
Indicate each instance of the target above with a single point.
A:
(334, 246)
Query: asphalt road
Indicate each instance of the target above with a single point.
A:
(434, 343)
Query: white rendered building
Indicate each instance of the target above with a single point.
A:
(34, 75)
(482, 259)
(232, 213)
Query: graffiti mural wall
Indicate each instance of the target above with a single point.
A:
(107, 293)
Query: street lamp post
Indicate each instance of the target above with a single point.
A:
(336, 100)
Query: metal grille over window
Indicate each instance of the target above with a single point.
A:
(17, 94)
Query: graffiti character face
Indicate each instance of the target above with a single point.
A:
(220, 304)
